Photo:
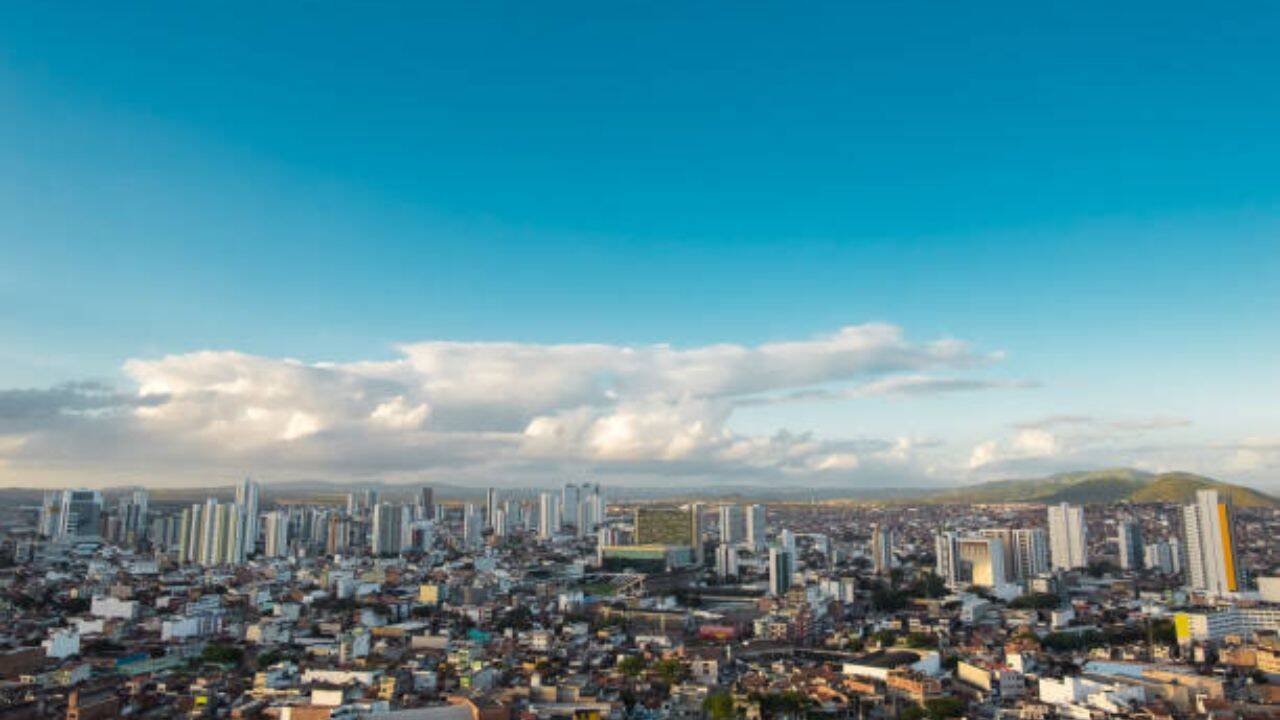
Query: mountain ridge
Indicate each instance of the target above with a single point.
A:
(1109, 485)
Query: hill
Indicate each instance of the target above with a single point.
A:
(1102, 486)
(1181, 487)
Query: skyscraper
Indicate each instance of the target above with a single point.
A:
(1067, 537)
(218, 533)
(247, 500)
(1129, 538)
(570, 498)
(490, 507)
(387, 531)
(946, 559)
(277, 535)
(472, 524)
(427, 502)
(80, 515)
(882, 549)
(1030, 553)
(50, 509)
(132, 516)
(696, 511)
(732, 525)
(982, 561)
(757, 527)
(1210, 545)
(726, 560)
(548, 516)
(780, 569)
(970, 560)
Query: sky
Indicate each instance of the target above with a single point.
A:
(850, 244)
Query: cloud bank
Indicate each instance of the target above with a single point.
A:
(518, 414)
(507, 412)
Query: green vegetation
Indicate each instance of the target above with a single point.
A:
(719, 706)
(935, 709)
(944, 707)
(1179, 487)
(787, 704)
(671, 670)
(1102, 486)
(631, 665)
(1161, 631)
(1035, 601)
(890, 596)
(920, 641)
(221, 654)
(886, 638)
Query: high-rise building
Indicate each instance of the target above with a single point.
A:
(590, 510)
(1067, 537)
(548, 516)
(1005, 536)
(247, 500)
(472, 524)
(131, 515)
(787, 541)
(780, 569)
(427, 502)
(726, 560)
(982, 561)
(882, 549)
(49, 512)
(1160, 557)
(338, 535)
(696, 511)
(188, 532)
(1212, 565)
(1129, 538)
(970, 560)
(757, 526)
(80, 515)
(277, 535)
(570, 499)
(387, 530)
(490, 507)
(1030, 553)
(219, 536)
(733, 527)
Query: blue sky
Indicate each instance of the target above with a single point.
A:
(1089, 189)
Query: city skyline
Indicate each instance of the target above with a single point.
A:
(872, 255)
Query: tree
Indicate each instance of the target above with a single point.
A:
(789, 703)
(931, 585)
(631, 665)
(921, 640)
(222, 654)
(1035, 601)
(670, 670)
(719, 706)
(912, 712)
(944, 707)
(885, 598)
(885, 638)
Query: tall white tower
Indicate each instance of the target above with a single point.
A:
(1067, 539)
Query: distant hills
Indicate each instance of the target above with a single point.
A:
(1102, 486)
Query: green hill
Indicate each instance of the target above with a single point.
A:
(1102, 486)
(1180, 487)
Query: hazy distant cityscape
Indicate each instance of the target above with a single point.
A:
(568, 603)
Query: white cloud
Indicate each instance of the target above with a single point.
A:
(472, 406)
